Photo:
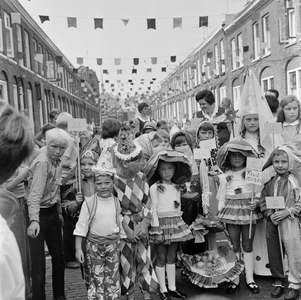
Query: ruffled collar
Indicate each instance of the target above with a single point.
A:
(295, 123)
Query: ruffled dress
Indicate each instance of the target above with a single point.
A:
(167, 215)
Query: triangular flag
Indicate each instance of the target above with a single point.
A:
(151, 23)
(99, 61)
(98, 23)
(59, 59)
(125, 21)
(105, 72)
(203, 21)
(134, 71)
(44, 19)
(79, 60)
(154, 60)
(177, 22)
(119, 72)
(16, 18)
(71, 22)
(173, 58)
(39, 57)
(149, 70)
(117, 61)
(163, 69)
(136, 61)
(229, 19)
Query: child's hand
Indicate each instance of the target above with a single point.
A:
(79, 255)
(279, 215)
(159, 239)
(72, 166)
(79, 198)
(130, 235)
(215, 178)
(254, 204)
(141, 231)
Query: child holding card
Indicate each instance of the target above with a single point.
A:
(235, 193)
(283, 184)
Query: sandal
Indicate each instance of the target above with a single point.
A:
(232, 288)
(253, 287)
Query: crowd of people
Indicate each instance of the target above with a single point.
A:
(128, 207)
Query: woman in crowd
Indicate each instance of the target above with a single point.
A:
(144, 110)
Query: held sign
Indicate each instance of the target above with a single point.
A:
(254, 163)
(208, 144)
(253, 176)
(272, 128)
(275, 202)
(201, 153)
(77, 125)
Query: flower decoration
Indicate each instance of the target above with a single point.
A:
(243, 174)
(160, 187)
(229, 178)
(231, 115)
(176, 204)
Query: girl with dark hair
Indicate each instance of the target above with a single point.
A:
(144, 110)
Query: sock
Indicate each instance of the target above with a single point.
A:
(171, 276)
(249, 266)
(160, 272)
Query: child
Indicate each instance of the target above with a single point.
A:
(283, 184)
(99, 221)
(132, 190)
(208, 180)
(168, 227)
(236, 194)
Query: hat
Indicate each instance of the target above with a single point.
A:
(90, 154)
(149, 125)
(126, 149)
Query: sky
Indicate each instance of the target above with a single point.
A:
(130, 41)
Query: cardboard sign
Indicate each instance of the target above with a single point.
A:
(201, 153)
(195, 122)
(77, 125)
(253, 176)
(208, 144)
(254, 163)
(272, 128)
(275, 202)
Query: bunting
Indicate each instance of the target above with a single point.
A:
(59, 59)
(245, 48)
(72, 22)
(229, 19)
(134, 71)
(163, 69)
(39, 57)
(136, 61)
(119, 72)
(16, 18)
(151, 23)
(117, 61)
(98, 23)
(44, 19)
(80, 60)
(125, 21)
(99, 61)
(177, 22)
(173, 58)
(149, 70)
(203, 21)
(105, 72)
(74, 71)
(154, 60)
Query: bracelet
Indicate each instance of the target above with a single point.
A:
(291, 215)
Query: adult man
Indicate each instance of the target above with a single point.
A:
(210, 111)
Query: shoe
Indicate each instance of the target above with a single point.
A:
(72, 265)
(177, 294)
(291, 294)
(164, 296)
(253, 287)
(277, 291)
(232, 288)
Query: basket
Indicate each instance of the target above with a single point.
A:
(210, 268)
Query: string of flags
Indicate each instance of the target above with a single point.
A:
(99, 22)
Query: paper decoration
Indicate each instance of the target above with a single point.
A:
(16, 18)
(245, 48)
(173, 58)
(39, 57)
(105, 72)
(134, 71)
(125, 21)
(254, 163)
(253, 176)
(151, 23)
(99, 61)
(75, 71)
(229, 19)
(136, 61)
(273, 128)
(98, 23)
(79, 60)
(154, 60)
(149, 70)
(117, 61)
(119, 72)
(107, 81)
(203, 21)
(72, 22)
(163, 69)
(44, 19)
(177, 22)
(77, 125)
(275, 202)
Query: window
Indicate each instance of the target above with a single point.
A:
(20, 45)
(27, 50)
(222, 56)
(256, 40)
(15, 95)
(216, 53)
(267, 83)
(40, 61)
(294, 83)
(240, 54)
(222, 92)
(236, 96)
(35, 49)
(204, 65)
(233, 51)
(266, 35)
(8, 34)
(3, 91)
(1, 37)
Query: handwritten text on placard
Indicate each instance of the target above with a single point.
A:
(272, 128)
(77, 125)
(254, 163)
(275, 202)
(208, 144)
(253, 176)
